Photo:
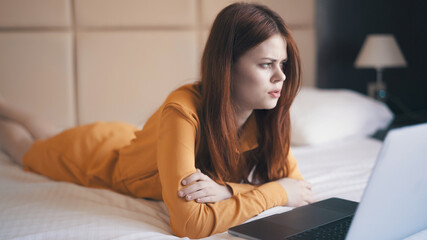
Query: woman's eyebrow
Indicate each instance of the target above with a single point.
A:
(274, 60)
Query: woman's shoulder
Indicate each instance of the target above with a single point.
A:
(187, 97)
(186, 100)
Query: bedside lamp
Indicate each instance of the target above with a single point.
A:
(379, 51)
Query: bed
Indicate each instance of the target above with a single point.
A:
(35, 207)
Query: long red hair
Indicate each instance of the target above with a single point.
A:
(238, 28)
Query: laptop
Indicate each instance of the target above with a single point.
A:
(393, 205)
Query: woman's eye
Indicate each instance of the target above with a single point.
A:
(266, 65)
(283, 65)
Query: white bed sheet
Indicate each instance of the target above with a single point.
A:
(34, 207)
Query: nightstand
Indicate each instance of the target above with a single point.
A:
(402, 120)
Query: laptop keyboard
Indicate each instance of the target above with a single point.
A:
(331, 231)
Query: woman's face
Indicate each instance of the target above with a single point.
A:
(258, 76)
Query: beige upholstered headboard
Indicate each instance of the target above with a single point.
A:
(79, 61)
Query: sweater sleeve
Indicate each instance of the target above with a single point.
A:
(237, 188)
(176, 160)
(293, 167)
(293, 173)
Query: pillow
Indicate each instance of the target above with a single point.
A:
(326, 115)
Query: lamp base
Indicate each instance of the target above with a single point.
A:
(378, 91)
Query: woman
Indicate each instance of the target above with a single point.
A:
(216, 152)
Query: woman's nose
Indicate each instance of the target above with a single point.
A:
(279, 75)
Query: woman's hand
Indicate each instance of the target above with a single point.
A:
(299, 192)
(203, 189)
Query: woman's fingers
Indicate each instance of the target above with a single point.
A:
(203, 193)
(197, 176)
(308, 194)
(303, 203)
(202, 188)
(196, 185)
(208, 199)
(197, 191)
(192, 188)
(299, 192)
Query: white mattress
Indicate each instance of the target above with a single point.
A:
(34, 207)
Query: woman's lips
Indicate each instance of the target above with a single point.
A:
(275, 93)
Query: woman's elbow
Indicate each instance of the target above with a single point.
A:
(198, 224)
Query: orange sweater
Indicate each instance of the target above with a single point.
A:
(156, 161)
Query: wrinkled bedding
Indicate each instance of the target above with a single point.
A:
(35, 207)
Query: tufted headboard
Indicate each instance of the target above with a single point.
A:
(79, 61)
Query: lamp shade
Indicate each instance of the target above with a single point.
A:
(380, 51)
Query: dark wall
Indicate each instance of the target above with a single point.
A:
(341, 30)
